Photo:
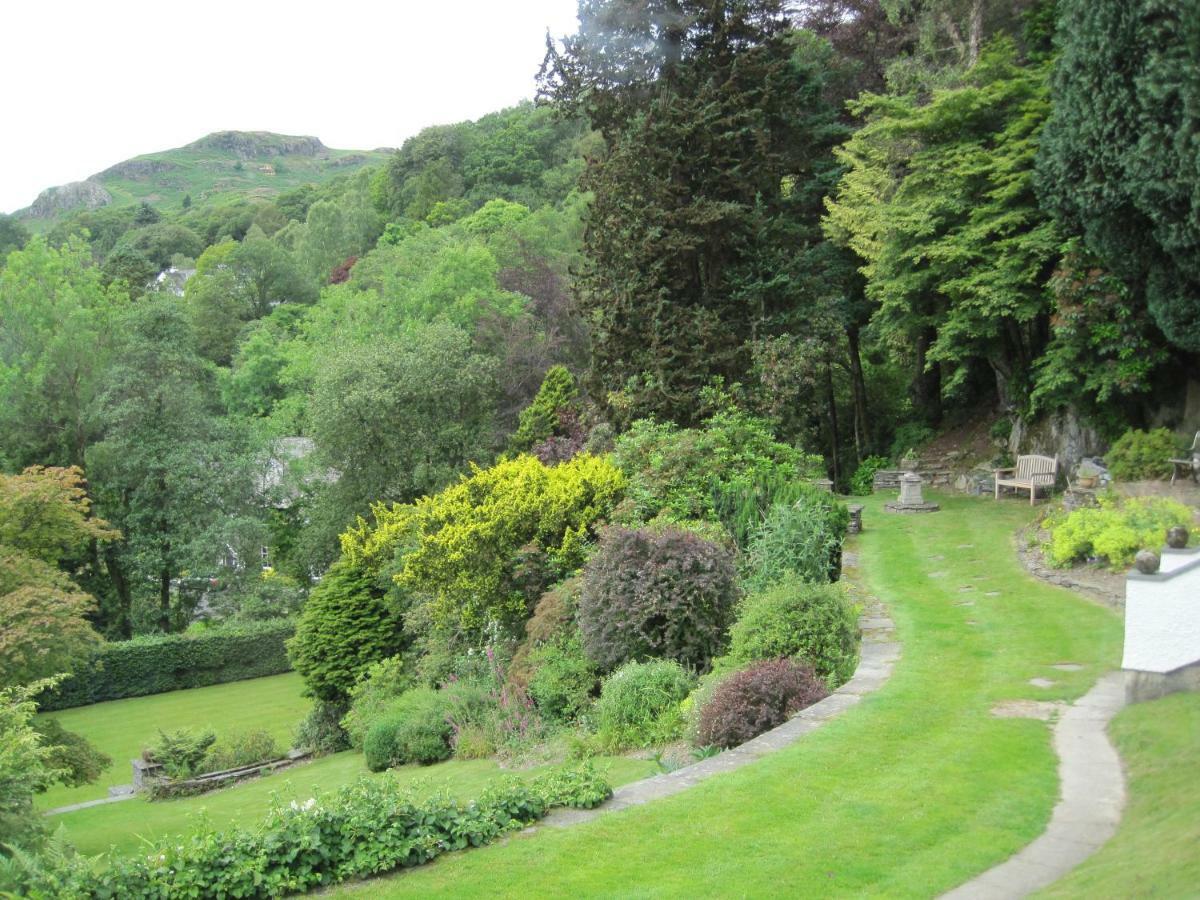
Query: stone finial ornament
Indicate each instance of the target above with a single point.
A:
(1146, 562)
(1177, 537)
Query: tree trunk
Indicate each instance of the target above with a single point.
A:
(927, 380)
(862, 432)
(164, 600)
(112, 565)
(834, 436)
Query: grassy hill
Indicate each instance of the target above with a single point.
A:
(220, 167)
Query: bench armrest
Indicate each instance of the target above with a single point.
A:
(1002, 471)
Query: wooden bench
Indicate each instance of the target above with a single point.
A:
(1190, 465)
(1030, 473)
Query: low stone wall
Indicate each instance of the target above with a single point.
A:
(1162, 626)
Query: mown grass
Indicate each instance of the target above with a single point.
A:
(911, 792)
(121, 728)
(124, 825)
(1156, 851)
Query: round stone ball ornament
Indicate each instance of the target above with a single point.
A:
(1146, 562)
(1177, 537)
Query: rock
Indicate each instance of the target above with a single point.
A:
(137, 169)
(254, 144)
(1147, 562)
(66, 198)
(1061, 434)
(1177, 537)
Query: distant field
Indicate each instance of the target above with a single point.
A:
(121, 728)
(123, 825)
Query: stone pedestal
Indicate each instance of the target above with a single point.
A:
(910, 496)
(855, 525)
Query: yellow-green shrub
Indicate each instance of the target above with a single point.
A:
(1114, 530)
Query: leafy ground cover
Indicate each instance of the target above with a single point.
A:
(1156, 852)
(910, 793)
(123, 825)
(121, 728)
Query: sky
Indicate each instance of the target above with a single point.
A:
(89, 84)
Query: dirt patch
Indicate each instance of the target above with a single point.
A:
(1093, 582)
(1042, 710)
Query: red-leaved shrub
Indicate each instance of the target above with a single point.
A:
(656, 593)
(756, 699)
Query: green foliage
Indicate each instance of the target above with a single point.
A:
(374, 693)
(576, 787)
(415, 729)
(321, 730)
(862, 482)
(461, 545)
(639, 704)
(345, 627)
(1115, 530)
(1142, 454)
(181, 752)
(938, 201)
(1118, 162)
(756, 699)
(154, 664)
(365, 829)
(76, 760)
(679, 472)
(815, 623)
(26, 765)
(656, 592)
(909, 438)
(803, 538)
(540, 418)
(243, 748)
(563, 679)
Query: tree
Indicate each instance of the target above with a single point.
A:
(708, 119)
(1119, 163)
(26, 766)
(45, 523)
(173, 474)
(57, 327)
(13, 236)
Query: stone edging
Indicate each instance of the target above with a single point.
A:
(1033, 560)
(878, 653)
(1089, 806)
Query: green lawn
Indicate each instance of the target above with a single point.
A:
(121, 728)
(1156, 852)
(911, 792)
(122, 825)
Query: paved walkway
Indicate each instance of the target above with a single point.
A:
(879, 652)
(1088, 810)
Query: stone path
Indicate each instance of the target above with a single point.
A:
(58, 810)
(1088, 809)
(879, 652)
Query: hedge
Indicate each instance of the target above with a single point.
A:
(155, 664)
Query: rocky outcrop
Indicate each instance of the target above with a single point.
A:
(137, 169)
(55, 201)
(1062, 434)
(257, 144)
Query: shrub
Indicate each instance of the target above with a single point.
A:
(802, 539)
(365, 829)
(756, 699)
(415, 730)
(321, 730)
(345, 627)
(241, 749)
(862, 482)
(911, 436)
(656, 593)
(155, 664)
(1115, 530)
(1142, 454)
(639, 704)
(676, 470)
(261, 598)
(540, 419)
(563, 678)
(488, 713)
(376, 691)
(180, 752)
(553, 619)
(812, 622)
(467, 541)
(71, 754)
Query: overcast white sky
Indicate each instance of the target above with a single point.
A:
(88, 84)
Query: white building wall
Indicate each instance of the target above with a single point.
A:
(1162, 615)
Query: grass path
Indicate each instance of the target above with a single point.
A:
(907, 795)
(121, 728)
(1156, 851)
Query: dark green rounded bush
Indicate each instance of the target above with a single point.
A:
(756, 699)
(792, 618)
(652, 593)
(416, 729)
(1140, 454)
(563, 679)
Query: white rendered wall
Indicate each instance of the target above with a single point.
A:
(1162, 614)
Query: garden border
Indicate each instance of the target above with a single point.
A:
(878, 653)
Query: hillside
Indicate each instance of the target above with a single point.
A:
(217, 167)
